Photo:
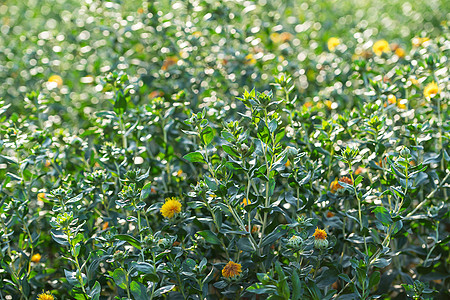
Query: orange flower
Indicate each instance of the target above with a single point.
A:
(170, 208)
(285, 36)
(359, 170)
(330, 214)
(36, 258)
(231, 270)
(245, 202)
(105, 226)
(431, 90)
(335, 186)
(381, 46)
(287, 164)
(308, 104)
(320, 234)
(169, 61)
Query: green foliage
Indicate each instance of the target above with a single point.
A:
(224, 150)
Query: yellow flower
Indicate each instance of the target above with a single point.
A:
(381, 46)
(245, 202)
(250, 60)
(402, 103)
(36, 258)
(431, 90)
(275, 37)
(392, 99)
(231, 269)
(41, 196)
(400, 52)
(170, 208)
(414, 81)
(56, 79)
(417, 41)
(320, 234)
(333, 43)
(287, 164)
(46, 296)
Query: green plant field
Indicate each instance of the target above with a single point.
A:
(206, 149)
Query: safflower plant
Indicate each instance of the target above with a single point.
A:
(234, 163)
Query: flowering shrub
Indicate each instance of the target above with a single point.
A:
(236, 162)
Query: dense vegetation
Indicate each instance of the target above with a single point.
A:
(210, 149)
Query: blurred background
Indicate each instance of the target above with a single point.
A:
(212, 50)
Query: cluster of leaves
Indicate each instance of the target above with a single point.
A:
(341, 140)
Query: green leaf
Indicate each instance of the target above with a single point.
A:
(120, 278)
(139, 291)
(210, 237)
(374, 279)
(146, 191)
(207, 135)
(194, 157)
(260, 289)
(95, 291)
(144, 267)
(297, 289)
(120, 105)
(163, 290)
(382, 215)
(128, 238)
(230, 151)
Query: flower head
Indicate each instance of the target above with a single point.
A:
(400, 52)
(295, 241)
(320, 234)
(418, 41)
(392, 99)
(245, 202)
(333, 43)
(36, 258)
(169, 61)
(381, 46)
(431, 90)
(41, 196)
(171, 207)
(335, 186)
(46, 296)
(56, 79)
(231, 269)
(105, 225)
(320, 239)
(250, 59)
